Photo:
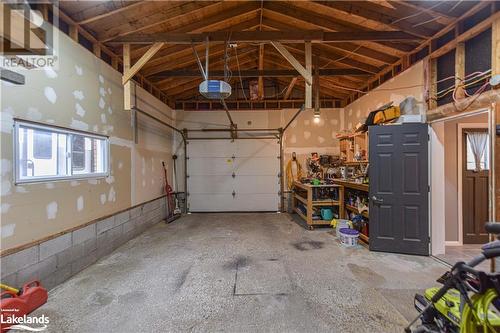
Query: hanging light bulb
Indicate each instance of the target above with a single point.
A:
(316, 115)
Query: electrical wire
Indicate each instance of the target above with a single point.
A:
(239, 74)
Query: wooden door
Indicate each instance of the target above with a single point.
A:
(474, 193)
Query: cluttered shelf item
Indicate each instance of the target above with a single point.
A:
(318, 203)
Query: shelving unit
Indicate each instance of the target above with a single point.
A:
(354, 148)
(303, 193)
(348, 185)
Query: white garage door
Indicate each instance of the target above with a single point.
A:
(237, 176)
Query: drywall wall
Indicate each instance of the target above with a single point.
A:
(84, 93)
(303, 136)
(451, 170)
(407, 83)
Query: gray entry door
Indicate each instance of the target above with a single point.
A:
(399, 190)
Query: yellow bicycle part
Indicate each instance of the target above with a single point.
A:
(480, 315)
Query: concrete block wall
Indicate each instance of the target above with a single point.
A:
(57, 259)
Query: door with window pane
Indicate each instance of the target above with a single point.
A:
(475, 169)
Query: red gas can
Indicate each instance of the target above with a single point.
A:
(32, 296)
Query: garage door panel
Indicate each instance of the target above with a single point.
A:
(204, 203)
(211, 148)
(212, 184)
(255, 202)
(205, 166)
(256, 166)
(256, 185)
(257, 148)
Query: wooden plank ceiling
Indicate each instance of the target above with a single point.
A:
(109, 20)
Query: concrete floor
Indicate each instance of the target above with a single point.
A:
(240, 273)
(465, 253)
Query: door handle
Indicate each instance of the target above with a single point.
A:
(376, 200)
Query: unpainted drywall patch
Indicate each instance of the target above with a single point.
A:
(95, 128)
(103, 198)
(110, 110)
(79, 203)
(112, 194)
(334, 121)
(50, 72)
(321, 139)
(4, 208)
(307, 135)
(78, 70)
(307, 122)
(110, 179)
(109, 90)
(79, 110)
(78, 94)
(102, 91)
(143, 183)
(78, 124)
(102, 103)
(101, 78)
(5, 166)
(7, 119)
(49, 186)
(50, 94)
(103, 118)
(7, 230)
(143, 167)
(50, 121)
(74, 183)
(20, 189)
(350, 112)
(293, 138)
(51, 210)
(120, 165)
(93, 181)
(33, 114)
(6, 186)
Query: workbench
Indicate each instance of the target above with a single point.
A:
(304, 193)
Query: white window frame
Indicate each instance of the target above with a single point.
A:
(61, 130)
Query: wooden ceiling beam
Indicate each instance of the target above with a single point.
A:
(337, 25)
(259, 73)
(441, 18)
(345, 47)
(216, 53)
(107, 14)
(373, 12)
(218, 22)
(173, 52)
(261, 68)
(289, 89)
(265, 36)
(177, 12)
(244, 57)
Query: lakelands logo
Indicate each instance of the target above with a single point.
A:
(24, 323)
(29, 34)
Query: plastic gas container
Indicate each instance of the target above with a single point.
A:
(32, 296)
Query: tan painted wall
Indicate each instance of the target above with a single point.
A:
(408, 83)
(451, 165)
(85, 93)
(303, 136)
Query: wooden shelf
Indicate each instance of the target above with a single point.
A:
(364, 238)
(353, 185)
(309, 203)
